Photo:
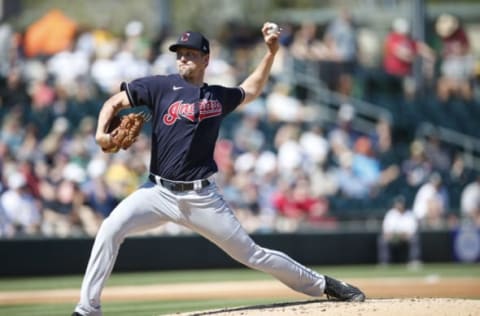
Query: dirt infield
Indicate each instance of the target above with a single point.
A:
(386, 296)
(374, 307)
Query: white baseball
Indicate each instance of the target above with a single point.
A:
(272, 28)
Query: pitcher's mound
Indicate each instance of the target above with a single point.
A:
(390, 307)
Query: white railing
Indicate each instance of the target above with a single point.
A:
(367, 114)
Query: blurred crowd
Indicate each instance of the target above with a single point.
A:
(280, 169)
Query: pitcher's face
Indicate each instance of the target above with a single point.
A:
(191, 63)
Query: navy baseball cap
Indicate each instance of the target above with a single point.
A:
(193, 40)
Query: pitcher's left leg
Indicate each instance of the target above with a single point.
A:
(209, 215)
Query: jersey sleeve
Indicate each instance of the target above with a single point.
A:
(232, 98)
(140, 91)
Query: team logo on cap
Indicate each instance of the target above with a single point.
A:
(185, 36)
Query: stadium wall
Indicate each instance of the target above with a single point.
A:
(69, 256)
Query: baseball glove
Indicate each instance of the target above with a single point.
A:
(124, 130)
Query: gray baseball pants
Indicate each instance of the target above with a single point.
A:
(203, 211)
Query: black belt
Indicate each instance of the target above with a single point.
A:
(179, 186)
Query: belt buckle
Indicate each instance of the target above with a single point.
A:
(197, 185)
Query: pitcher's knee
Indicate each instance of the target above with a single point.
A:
(111, 231)
(257, 256)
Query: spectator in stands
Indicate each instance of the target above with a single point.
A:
(306, 50)
(470, 201)
(219, 70)
(436, 153)
(281, 106)
(247, 135)
(290, 154)
(29, 149)
(12, 132)
(68, 65)
(431, 202)
(341, 41)
(27, 168)
(104, 71)
(223, 155)
(266, 181)
(83, 136)
(416, 168)
(457, 67)
(13, 92)
(318, 150)
(98, 198)
(296, 205)
(241, 176)
(460, 174)
(84, 220)
(305, 45)
(365, 165)
(385, 152)
(324, 181)
(100, 201)
(6, 45)
(342, 136)
(246, 198)
(6, 228)
(400, 51)
(399, 231)
(133, 56)
(350, 184)
(20, 208)
(315, 144)
(164, 62)
(120, 177)
(136, 41)
(60, 213)
(41, 111)
(55, 142)
(85, 40)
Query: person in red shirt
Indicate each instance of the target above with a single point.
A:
(458, 63)
(296, 205)
(400, 51)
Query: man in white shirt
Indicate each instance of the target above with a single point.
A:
(399, 229)
(431, 202)
(20, 212)
(470, 201)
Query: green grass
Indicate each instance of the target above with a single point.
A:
(131, 278)
(147, 308)
(400, 270)
(163, 277)
(150, 308)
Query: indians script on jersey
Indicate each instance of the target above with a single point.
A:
(177, 110)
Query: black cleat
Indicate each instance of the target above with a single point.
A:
(76, 314)
(342, 291)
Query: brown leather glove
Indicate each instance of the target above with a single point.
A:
(124, 130)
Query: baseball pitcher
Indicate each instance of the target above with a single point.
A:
(186, 115)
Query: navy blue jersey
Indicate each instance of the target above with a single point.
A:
(186, 121)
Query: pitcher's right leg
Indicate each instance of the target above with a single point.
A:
(135, 213)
